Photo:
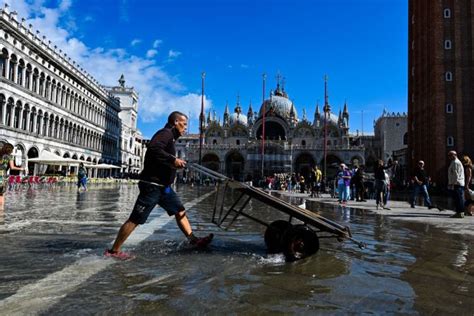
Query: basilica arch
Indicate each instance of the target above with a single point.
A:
(211, 161)
(332, 165)
(234, 165)
(274, 130)
(303, 164)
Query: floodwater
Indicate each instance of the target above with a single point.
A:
(51, 244)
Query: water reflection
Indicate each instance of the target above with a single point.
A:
(407, 268)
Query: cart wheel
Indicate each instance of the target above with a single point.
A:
(274, 235)
(300, 242)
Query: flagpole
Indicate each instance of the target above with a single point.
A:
(201, 118)
(264, 76)
(326, 112)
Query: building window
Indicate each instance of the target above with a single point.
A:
(447, 13)
(303, 143)
(450, 141)
(448, 76)
(405, 139)
(449, 108)
(447, 44)
(214, 142)
(237, 142)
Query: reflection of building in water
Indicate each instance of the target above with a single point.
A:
(233, 146)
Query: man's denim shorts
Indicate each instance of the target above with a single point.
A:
(151, 195)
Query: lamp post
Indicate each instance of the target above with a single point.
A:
(201, 118)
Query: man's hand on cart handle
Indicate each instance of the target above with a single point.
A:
(179, 163)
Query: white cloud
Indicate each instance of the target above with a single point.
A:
(64, 5)
(157, 43)
(159, 92)
(172, 54)
(135, 42)
(151, 53)
(244, 66)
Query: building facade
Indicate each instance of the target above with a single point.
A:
(440, 82)
(49, 103)
(390, 133)
(131, 139)
(273, 140)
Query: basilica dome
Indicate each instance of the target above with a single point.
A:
(237, 118)
(280, 105)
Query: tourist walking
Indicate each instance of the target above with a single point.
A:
(81, 177)
(358, 180)
(456, 183)
(381, 185)
(343, 183)
(158, 174)
(420, 185)
(6, 164)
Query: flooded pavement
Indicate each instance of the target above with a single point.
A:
(52, 242)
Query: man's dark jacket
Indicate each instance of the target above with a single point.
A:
(160, 156)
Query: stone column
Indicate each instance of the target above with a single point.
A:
(20, 119)
(35, 121)
(7, 67)
(41, 118)
(15, 69)
(23, 76)
(4, 112)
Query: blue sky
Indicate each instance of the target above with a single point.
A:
(163, 46)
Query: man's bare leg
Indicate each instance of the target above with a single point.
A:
(127, 228)
(183, 223)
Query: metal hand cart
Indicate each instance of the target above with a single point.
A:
(296, 241)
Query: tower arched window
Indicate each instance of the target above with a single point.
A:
(447, 44)
(447, 13)
(405, 139)
(449, 108)
(450, 141)
(303, 143)
(237, 142)
(448, 76)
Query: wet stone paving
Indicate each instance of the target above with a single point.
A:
(52, 240)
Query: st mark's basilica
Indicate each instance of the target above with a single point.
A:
(292, 144)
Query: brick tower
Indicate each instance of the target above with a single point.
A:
(440, 83)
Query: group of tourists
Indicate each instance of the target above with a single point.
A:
(459, 180)
(297, 183)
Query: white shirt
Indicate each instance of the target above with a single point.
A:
(456, 173)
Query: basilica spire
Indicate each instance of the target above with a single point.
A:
(317, 115)
(345, 114)
(238, 108)
(250, 113)
(226, 114)
(327, 107)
